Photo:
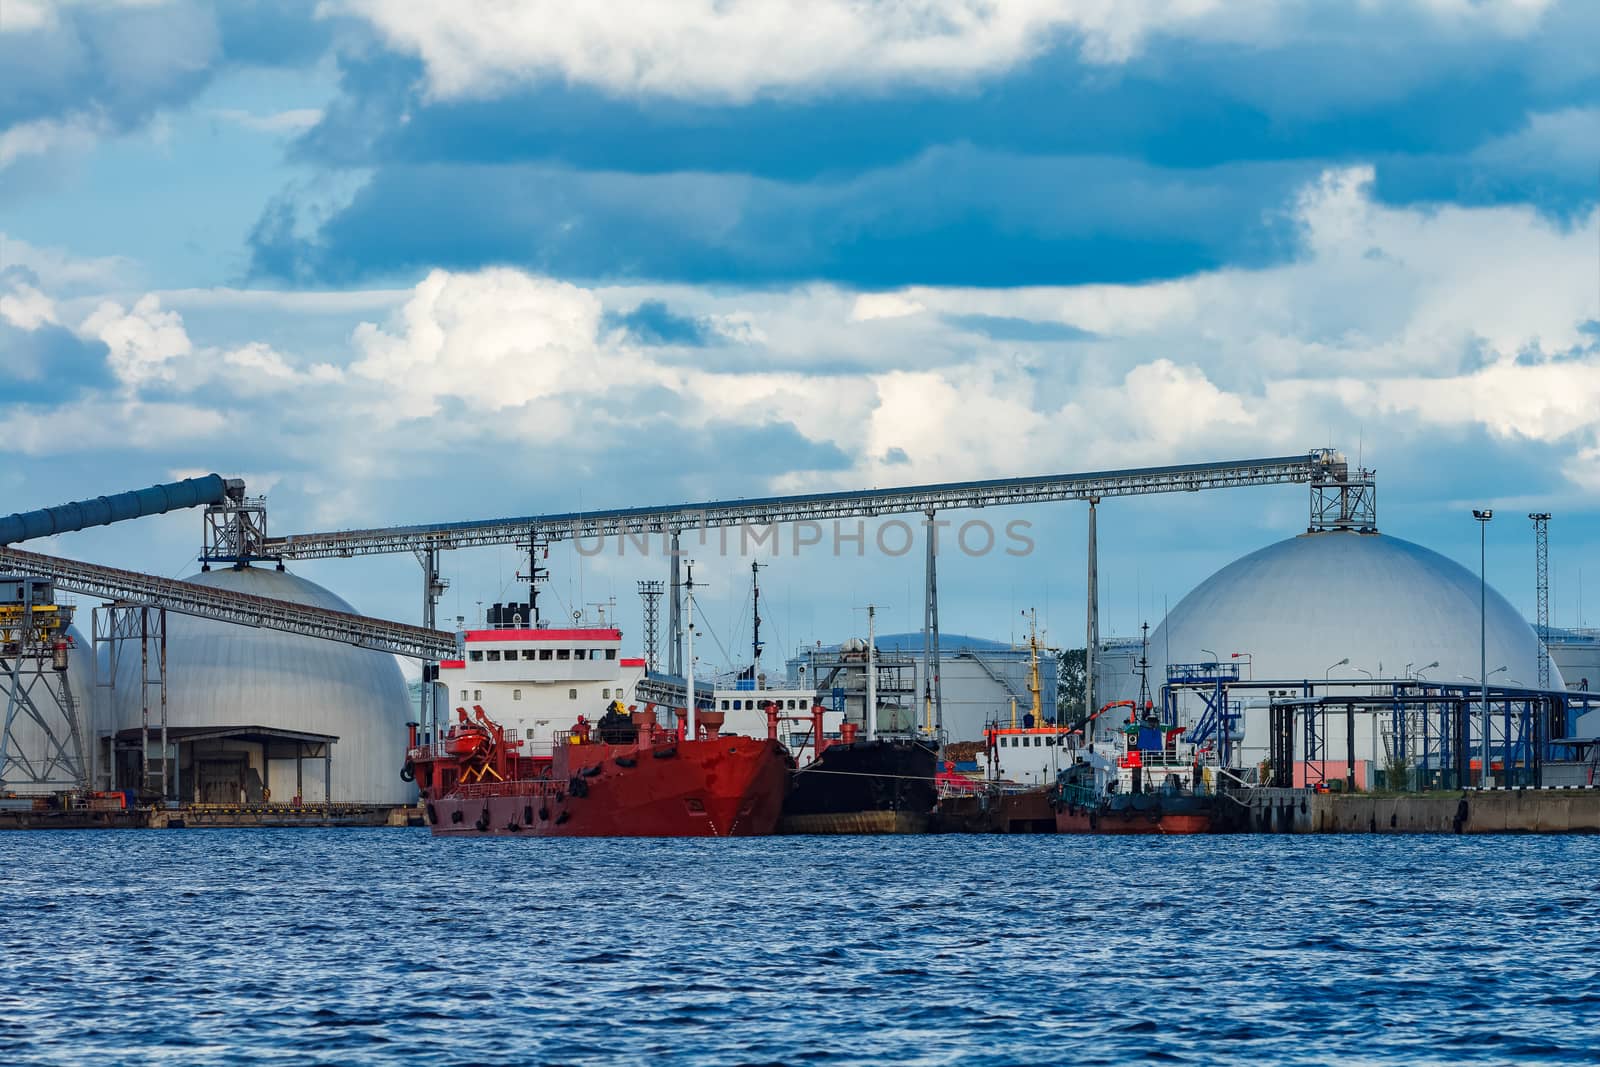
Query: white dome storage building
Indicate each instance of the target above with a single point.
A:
(1341, 605)
(1298, 607)
(257, 714)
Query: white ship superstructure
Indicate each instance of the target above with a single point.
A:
(537, 682)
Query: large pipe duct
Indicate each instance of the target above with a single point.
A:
(104, 510)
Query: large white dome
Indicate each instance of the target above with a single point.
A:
(1300, 605)
(222, 675)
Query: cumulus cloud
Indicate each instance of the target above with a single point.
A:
(1414, 325)
(144, 340)
(736, 50)
(57, 270)
(42, 136)
(291, 121)
(496, 339)
(26, 307)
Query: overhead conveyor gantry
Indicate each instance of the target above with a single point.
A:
(243, 609)
(110, 583)
(810, 507)
(1317, 467)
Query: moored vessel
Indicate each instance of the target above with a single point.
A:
(849, 777)
(1021, 761)
(625, 776)
(1144, 780)
(526, 761)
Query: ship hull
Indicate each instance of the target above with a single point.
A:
(1006, 813)
(1182, 818)
(723, 787)
(865, 787)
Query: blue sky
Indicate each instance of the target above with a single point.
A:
(400, 262)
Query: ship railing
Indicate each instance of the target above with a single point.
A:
(528, 787)
(1080, 795)
(1164, 758)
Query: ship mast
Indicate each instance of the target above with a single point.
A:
(1034, 687)
(755, 620)
(872, 673)
(1144, 669)
(688, 652)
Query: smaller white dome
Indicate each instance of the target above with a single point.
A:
(1300, 606)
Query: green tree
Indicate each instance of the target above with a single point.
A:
(1071, 682)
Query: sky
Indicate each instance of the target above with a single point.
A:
(394, 262)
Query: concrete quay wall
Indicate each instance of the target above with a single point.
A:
(1490, 811)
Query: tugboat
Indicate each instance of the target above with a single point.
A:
(1021, 763)
(1146, 780)
(624, 776)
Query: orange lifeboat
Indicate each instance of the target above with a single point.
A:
(467, 744)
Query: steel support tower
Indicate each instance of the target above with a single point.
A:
(41, 738)
(119, 624)
(1541, 584)
(933, 655)
(650, 591)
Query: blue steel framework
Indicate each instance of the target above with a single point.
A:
(1210, 682)
(1431, 723)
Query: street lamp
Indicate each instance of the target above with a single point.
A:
(1327, 673)
(1483, 518)
(1429, 667)
(1249, 664)
(1213, 655)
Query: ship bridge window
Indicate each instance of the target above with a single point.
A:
(476, 654)
(544, 653)
(516, 694)
(605, 694)
(494, 655)
(563, 653)
(527, 653)
(477, 694)
(611, 653)
(463, 694)
(572, 694)
(724, 705)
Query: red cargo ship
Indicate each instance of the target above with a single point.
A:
(625, 776)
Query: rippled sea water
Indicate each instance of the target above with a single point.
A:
(388, 946)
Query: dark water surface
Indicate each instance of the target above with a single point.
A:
(387, 946)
